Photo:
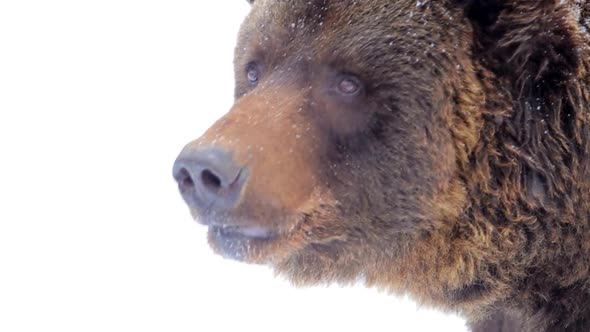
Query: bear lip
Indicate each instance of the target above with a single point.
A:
(253, 232)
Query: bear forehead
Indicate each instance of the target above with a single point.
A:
(308, 16)
(370, 33)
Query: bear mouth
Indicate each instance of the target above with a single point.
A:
(249, 243)
(244, 232)
(255, 241)
(243, 243)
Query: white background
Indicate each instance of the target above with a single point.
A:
(96, 100)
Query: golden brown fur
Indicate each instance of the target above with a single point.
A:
(461, 175)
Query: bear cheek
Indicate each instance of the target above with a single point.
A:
(344, 118)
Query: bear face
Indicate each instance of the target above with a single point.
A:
(431, 147)
(331, 152)
(333, 156)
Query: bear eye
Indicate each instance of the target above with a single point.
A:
(348, 85)
(252, 73)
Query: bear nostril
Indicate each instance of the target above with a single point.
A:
(185, 181)
(211, 181)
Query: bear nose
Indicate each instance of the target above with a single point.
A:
(208, 179)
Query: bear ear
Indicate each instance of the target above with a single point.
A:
(250, 1)
(535, 40)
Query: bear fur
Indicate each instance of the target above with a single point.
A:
(458, 172)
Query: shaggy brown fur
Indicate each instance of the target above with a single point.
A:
(459, 173)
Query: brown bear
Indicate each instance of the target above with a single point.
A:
(437, 148)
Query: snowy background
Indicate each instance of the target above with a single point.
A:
(96, 100)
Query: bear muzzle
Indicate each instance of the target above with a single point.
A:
(211, 183)
(254, 175)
